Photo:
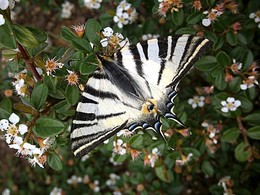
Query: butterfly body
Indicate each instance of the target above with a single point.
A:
(134, 87)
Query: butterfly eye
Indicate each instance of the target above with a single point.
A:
(150, 107)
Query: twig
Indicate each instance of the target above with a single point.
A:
(29, 61)
(242, 129)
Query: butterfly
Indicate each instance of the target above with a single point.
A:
(133, 88)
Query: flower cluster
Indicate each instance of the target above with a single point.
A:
(212, 15)
(231, 104)
(211, 135)
(197, 101)
(111, 182)
(256, 17)
(125, 14)
(20, 85)
(111, 41)
(92, 4)
(149, 36)
(166, 5)
(150, 159)
(15, 138)
(74, 180)
(218, 10)
(67, 8)
(119, 147)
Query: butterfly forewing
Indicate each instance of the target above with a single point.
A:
(136, 76)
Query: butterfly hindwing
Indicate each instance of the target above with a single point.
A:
(129, 85)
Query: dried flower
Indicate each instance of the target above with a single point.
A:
(51, 65)
(79, 29)
(72, 78)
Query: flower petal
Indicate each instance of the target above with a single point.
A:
(14, 118)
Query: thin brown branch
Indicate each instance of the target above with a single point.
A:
(242, 129)
(29, 61)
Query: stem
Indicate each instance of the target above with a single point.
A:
(29, 61)
(242, 129)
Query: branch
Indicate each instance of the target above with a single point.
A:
(29, 61)
(242, 129)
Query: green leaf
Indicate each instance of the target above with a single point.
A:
(246, 104)
(54, 161)
(242, 152)
(219, 81)
(136, 141)
(162, 173)
(4, 113)
(72, 94)
(211, 36)
(92, 29)
(24, 36)
(89, 65)
(185, 30)
(67, 34)
(207, 168)
(25, 109)
(253, 118)
(234, 85)
(194, 18)
(178, 17)
(81, 44)
(247, 59)
(7, 39)
(218, 43)
(254, 132)
(39, 95)
(47, 127)
(38, 33)
(223, 59)
(50, 83)
(231, 38)
(62, 106)
(206, 63)
(230, 135)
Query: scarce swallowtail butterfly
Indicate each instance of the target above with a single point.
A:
(133, 88)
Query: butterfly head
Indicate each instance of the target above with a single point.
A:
(150, 106)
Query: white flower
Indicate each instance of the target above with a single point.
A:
(96, 187)
(17, 142)
(2, 20)
(74, 180)
(111, 182)
(124, 133)
(14, 118)
(107, 32)
(6, 191)
(249, 83)
(125, 14)
(20, 86)
(206, 22)
(28, 149)
(56, 191)
(22, 128)
(119, 147)
(12, 3)
(4, 124)
(92, 4)
(4, 4)
(66, 9)
(33, 161)
(252, 15)
(153, 156)
(197, 101)
(230, 104)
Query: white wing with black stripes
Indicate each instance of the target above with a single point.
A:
(135, 87)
